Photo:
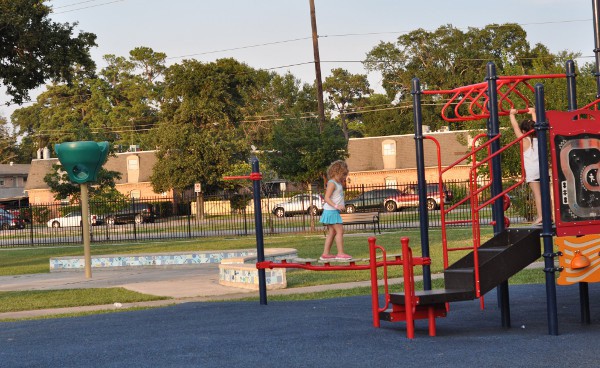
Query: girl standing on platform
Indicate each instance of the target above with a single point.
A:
(531, 160)
(334, 204)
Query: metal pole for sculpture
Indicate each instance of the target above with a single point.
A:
(82, 161)
(260, 246)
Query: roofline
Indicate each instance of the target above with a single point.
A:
(410, 135)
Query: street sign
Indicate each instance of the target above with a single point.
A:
(197, 188)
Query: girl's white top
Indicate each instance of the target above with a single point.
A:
(531, 161)
(337, 196)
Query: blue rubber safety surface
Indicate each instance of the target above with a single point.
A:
(332, 333)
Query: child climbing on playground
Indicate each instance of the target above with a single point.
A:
(334, 204)
(530, 158)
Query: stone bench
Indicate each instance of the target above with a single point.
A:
(242, 272)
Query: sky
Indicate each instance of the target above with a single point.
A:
(276, 34)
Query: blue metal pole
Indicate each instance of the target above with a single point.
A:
(496, 171)
(541, 126)
(423, 213)
(571, 85)
(260, 246)
(596, 21)
(584, 293)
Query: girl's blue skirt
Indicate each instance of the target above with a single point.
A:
(329, 217)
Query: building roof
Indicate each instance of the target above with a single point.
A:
(147, 159)
(14, 169)
(366, 154)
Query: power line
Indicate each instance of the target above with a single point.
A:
(74, 4)
(88, 7)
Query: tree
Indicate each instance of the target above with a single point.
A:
(198, 135)
(344, 90)
(8, 152)
(34, 49)
(102, 190)
(275, 97)
(120, 105)
(379, 117)
(447, 58)
(299, 153)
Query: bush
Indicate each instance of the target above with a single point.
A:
(238, 202)
(163, 209)
(40, 215)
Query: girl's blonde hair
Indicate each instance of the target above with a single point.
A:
(337, 169)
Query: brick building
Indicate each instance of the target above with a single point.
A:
(13, 178)
(391, 160)
(135, 169)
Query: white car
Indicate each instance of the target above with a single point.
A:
(70, 219)
(298, 204)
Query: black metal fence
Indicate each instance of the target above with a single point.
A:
(209, 216)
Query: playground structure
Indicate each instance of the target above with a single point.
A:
(575, 154)
(491, 264)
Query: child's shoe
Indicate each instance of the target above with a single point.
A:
(343, 257)
(327, 257)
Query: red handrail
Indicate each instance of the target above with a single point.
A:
(473, 197)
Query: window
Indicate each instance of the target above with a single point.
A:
(390, 182)
(1, 182)
(135, 193)
(132, 164)
(389, 149)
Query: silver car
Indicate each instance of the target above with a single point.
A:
(299, 204)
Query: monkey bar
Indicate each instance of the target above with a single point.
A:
(474, 98)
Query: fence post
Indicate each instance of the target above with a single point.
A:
(189, 222)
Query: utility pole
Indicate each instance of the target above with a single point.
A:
(315, 38)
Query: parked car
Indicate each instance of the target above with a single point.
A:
(135, 212)
(8, 221)
(373, 199)
(410, 198)
(70, 219)
(299, 204)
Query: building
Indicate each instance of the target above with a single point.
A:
(13, 179)
(391, 160)
(135, 168)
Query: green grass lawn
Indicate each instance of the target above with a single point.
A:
(14, 301)
(36, 260)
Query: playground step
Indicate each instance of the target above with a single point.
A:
(460, 278)
(437, 296)
(398, 313)
(499, 258)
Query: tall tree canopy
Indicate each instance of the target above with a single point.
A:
(300, 153)
(198, 135)
(448, 58)
(119, 105)
(34, 49)
(344, 90)
(8, 151)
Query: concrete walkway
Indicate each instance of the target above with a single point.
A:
(182, 284)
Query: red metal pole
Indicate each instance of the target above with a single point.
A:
(408, 287)
(374, 287)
